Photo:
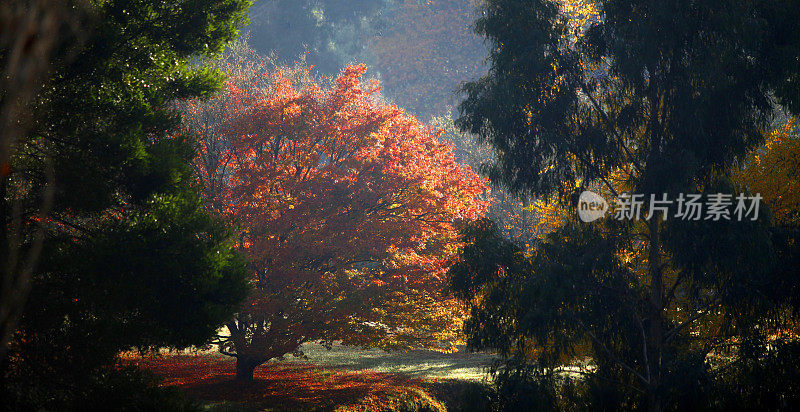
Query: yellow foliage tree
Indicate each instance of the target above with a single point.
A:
(773, 170)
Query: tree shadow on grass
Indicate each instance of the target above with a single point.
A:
(277, 387)
(418, 363)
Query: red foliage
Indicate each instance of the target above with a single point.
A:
(277, 386)
(346, 207)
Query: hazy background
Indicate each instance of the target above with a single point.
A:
(421, 50)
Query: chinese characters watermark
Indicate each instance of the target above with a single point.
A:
(712, 206)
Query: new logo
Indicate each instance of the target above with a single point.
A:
(591, 206)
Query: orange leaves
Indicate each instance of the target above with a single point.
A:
(341, 195)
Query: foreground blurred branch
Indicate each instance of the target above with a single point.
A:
(30, 33)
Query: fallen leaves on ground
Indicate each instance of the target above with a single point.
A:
(289, 387)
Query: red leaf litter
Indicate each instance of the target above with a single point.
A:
(278, 386)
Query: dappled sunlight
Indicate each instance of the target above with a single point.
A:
(400, 205)
(284, 385)
(417, 363)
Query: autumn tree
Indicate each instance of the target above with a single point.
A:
(773, 171)
(346, 207)
(645, 97)
(244, 67)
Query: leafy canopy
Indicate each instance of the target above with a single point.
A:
(130, 257)
(346, 207)
(628, 96)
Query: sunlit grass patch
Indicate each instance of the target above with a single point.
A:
(462, 365)
(290, 386)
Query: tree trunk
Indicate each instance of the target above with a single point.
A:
(656, 321)
(244, 368)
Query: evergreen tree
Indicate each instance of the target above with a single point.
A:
(645, 97)
(130, 258)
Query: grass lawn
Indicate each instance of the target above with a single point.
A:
(419, 363)
(341, 379)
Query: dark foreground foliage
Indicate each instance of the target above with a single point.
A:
(642, 97)
(765, 381)
(129, 256)
(124, 388)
